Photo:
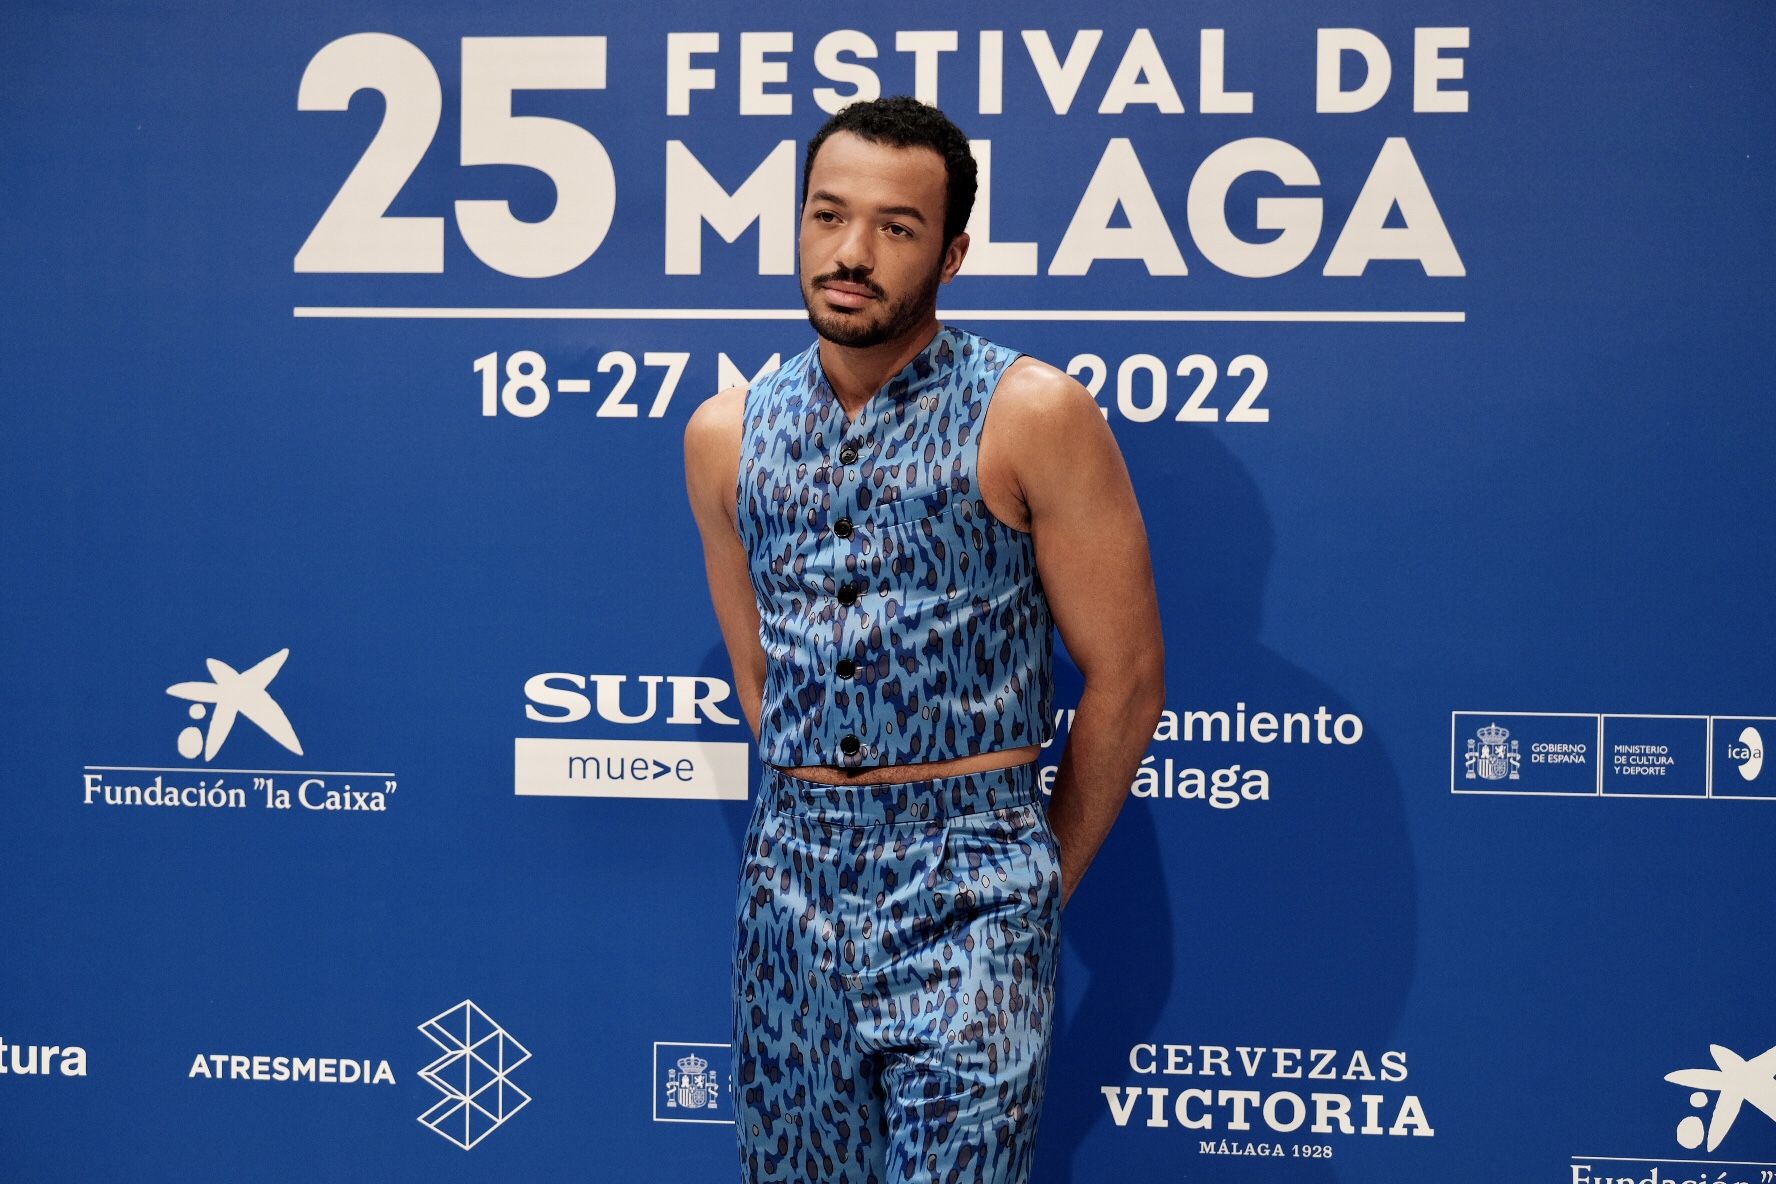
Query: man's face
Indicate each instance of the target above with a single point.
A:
(872, 249)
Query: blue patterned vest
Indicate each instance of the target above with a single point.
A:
(901, 621)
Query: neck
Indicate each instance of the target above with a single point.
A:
(857, 374)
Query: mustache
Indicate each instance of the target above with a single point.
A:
(847, 278)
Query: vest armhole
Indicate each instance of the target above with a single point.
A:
(980, 434)
(740, 462)
(987, 404)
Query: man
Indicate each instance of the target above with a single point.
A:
(887, 561)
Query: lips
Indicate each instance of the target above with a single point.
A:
(847, 295)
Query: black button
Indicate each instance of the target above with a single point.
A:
(849, 745)
(847, 593)
(847, 455)
(847, 668)
(842, 528)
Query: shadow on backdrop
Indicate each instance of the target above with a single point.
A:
(1290, 922)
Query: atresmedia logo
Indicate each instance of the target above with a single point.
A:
(478, 1054)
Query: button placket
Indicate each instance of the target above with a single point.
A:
(844, 527)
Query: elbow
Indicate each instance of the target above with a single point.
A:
(1150, 683)
(1148, 670)
(1138, 685)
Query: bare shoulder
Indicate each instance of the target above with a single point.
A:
(1038, 421)
(1055, 446)
(716, 421)
(712, 451)
(1044, 412)
(1039, 389)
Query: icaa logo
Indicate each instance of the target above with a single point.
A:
(1748, 753)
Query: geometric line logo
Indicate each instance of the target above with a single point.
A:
(471, 1074)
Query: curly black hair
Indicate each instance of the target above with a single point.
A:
(904, 122)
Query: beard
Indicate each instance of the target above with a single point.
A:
(854, 327)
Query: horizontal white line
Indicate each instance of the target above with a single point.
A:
(262, 772)
(1343, 316)
(1670, 797)
(1743, 1163)
(1532, 793)
(1612, 715)
(1592, 793)
(1551, 714)
(1619, 715)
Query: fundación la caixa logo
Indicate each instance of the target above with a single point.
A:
(234, 693)
(229, 697)
(610, 764)
(1734, 1083)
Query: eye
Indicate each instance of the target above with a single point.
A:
(898, 227)
(822, 214)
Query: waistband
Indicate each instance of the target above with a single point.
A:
(902, 801)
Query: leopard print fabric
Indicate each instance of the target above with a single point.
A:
(894, 965)
(902, 621)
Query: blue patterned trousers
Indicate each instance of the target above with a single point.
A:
(894, 971)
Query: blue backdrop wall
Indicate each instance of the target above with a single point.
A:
(373, 776)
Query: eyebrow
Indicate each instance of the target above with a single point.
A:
(835, 199)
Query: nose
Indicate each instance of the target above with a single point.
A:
(856, 250)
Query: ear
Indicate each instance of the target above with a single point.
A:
(953, 256)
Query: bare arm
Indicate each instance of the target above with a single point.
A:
(712, 465)
(1092, 553)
